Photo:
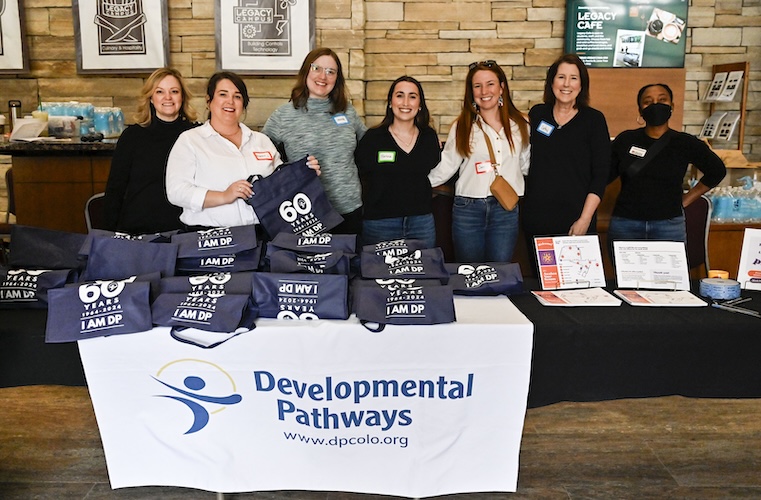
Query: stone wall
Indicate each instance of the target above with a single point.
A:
(381, 40)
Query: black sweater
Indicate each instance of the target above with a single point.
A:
(655, 192)
(135, 200)
(395, 183)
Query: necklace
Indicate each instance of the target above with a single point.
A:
(408, 143)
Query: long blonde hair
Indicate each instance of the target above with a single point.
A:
(144, 113)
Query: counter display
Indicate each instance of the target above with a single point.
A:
(54, 180)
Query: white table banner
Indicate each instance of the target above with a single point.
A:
(413, 411)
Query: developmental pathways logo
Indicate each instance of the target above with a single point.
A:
(203, 387)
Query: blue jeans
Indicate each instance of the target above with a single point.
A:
(419, 227)
(623, 229)
(482, 230)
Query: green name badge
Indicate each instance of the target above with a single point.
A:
(386, 156)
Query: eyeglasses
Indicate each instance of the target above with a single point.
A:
(329, 72)
(488, 64)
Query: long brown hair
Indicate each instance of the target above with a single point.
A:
(145, 111)
(469, 111)
(339, 97)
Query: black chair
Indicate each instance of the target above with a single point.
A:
(94, 211)
(698, 221)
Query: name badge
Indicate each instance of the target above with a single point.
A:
(545, 128)
(483, 166)
(386, 156)
(341, 119)
(263, 155)
(637, 151)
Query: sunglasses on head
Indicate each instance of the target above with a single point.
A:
(488, 64)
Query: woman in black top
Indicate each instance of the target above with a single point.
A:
(650, 204)
(570, 156)
(394, 159)
(135, 200)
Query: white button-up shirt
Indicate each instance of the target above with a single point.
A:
(476, 172)
(203, 160)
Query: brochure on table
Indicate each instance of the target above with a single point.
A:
(660, 265)
(749, 273)
(569, 262)
(578, 297)
(661, 298)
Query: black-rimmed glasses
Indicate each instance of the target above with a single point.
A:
(488, 64)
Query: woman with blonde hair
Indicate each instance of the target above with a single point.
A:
(489, 127)
(135, 200)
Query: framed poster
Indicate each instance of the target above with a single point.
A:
(627, 33)
(264, 37)
(120, 36)
(13, 54)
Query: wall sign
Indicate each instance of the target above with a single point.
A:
(264, 36)
(125, 36)
(627, 33)
(13, 53)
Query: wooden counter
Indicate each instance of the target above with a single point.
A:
(53, 181)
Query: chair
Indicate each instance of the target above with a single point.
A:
(94, 211)
(5, 227)
(697, 218)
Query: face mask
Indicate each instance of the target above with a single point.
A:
(656, 114)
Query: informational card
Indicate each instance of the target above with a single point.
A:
(749, 273)
(729, 90)
(569, 262)
(573, 298)
(651, 264)
(661, 298)
(711, 125)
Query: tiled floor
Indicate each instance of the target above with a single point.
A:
(669, 447)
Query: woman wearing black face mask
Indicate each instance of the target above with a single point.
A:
(652, 162)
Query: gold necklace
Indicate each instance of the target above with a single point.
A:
(407, 144)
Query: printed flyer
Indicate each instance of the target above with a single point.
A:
(627, 33)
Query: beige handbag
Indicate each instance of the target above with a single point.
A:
(500, 188)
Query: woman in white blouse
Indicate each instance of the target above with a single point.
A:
(482, 230)
(208, 166)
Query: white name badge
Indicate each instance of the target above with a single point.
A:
(263, 155)
(545, 128)
(637, 151)
(386, 156)
(483, 166)
(341, 119)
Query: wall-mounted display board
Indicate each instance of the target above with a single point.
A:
(627, 33)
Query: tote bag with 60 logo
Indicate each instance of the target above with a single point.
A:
(292, 200)
(98, 308)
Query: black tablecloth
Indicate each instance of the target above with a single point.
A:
(25, 358)
(599, 353)
(580, 353)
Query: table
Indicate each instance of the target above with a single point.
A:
(599, 353)
(580, 354)
(413, 411)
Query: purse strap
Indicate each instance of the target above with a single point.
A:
(651, 153)
(492, 158)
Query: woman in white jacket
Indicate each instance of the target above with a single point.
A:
(482, 230)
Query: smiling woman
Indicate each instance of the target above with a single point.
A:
(489, 138)
(394, 159)
(209, 166)
(135, 200)
(321, 121)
